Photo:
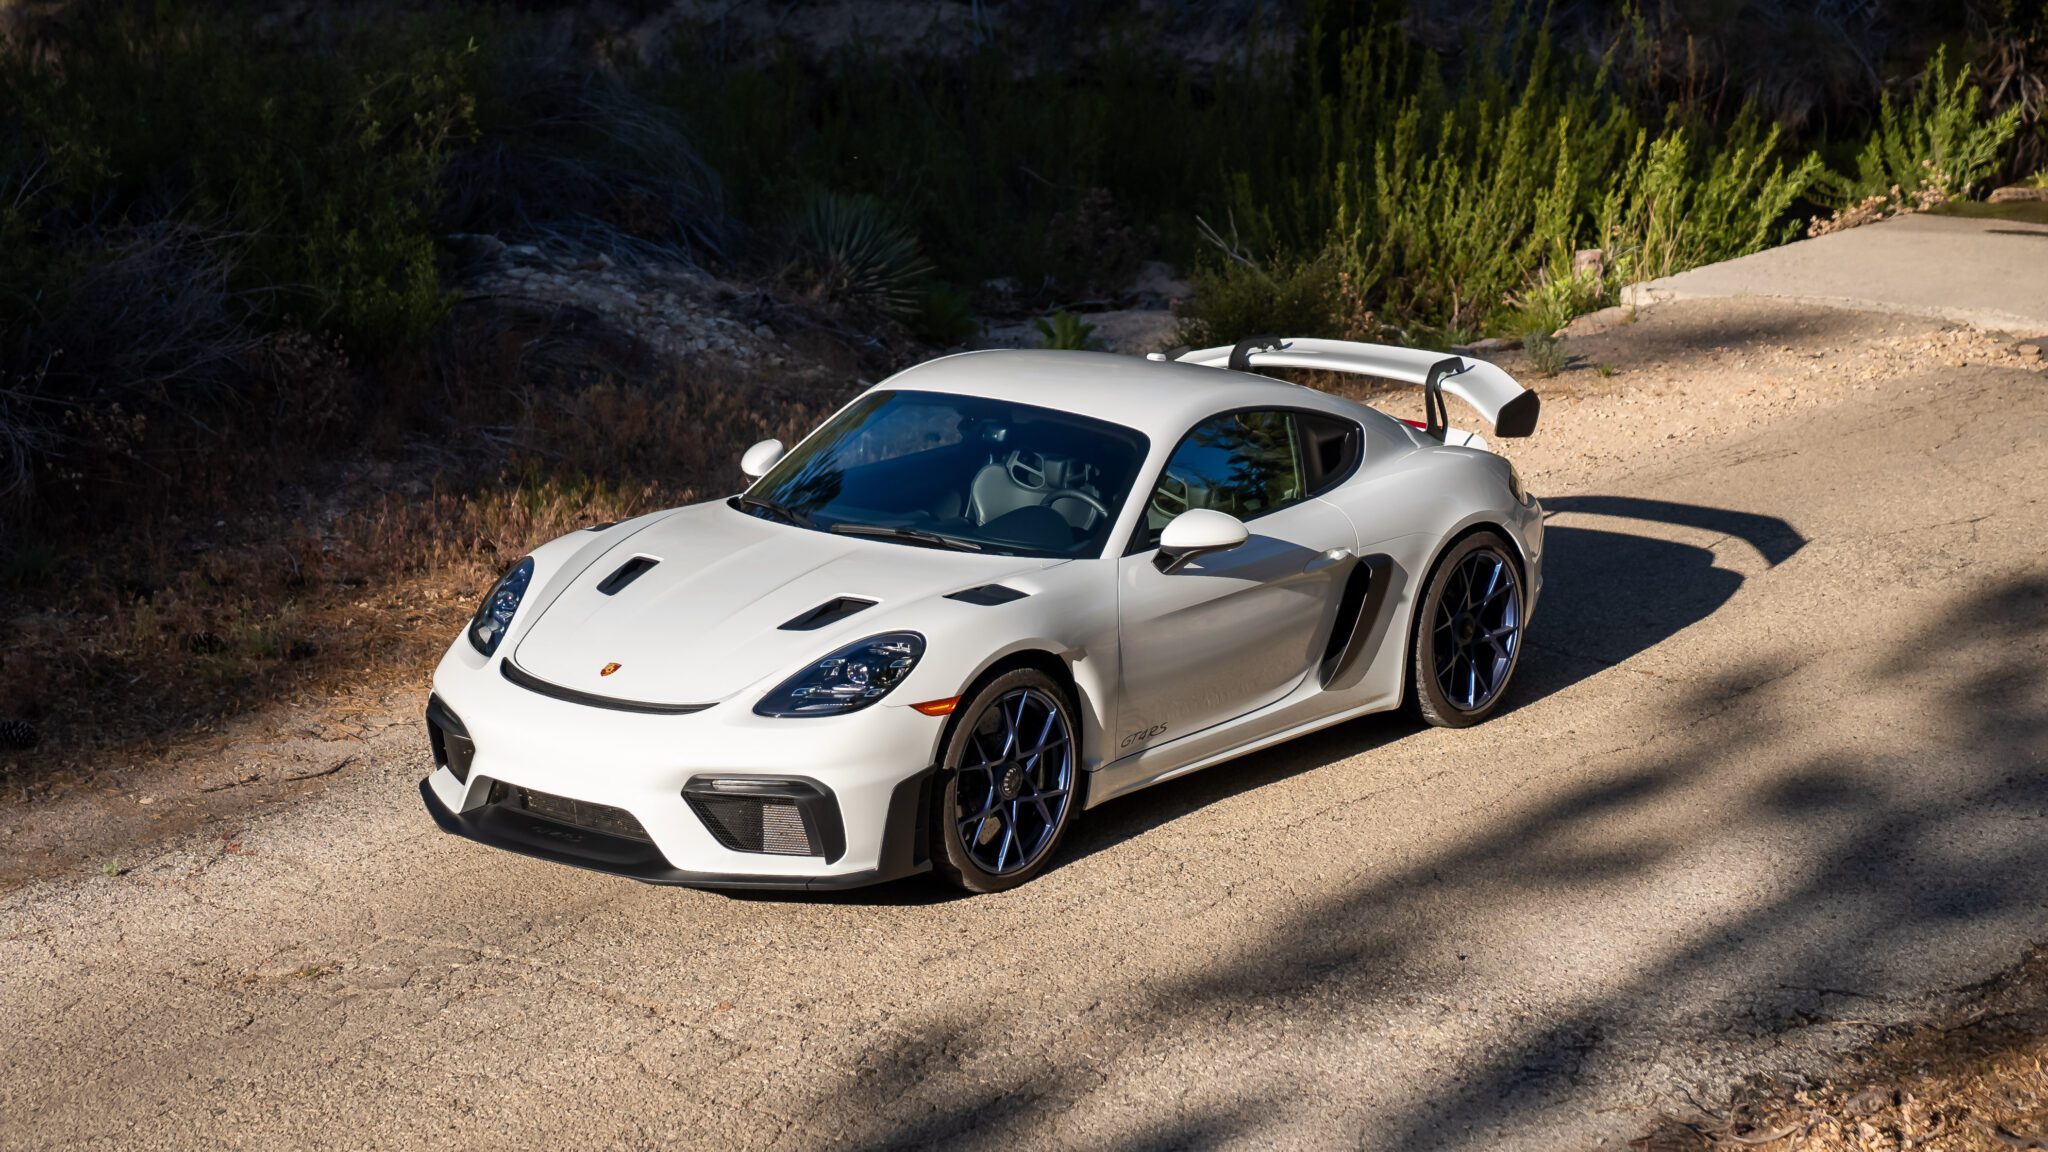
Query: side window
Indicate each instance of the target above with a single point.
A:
(1243, 463)
(1330, 448)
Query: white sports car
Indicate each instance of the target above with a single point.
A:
(995, 590)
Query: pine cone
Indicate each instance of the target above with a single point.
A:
(17, 735)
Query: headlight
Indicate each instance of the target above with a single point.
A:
(495, 614)
(847, 680)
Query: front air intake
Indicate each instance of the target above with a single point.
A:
(773, 816)
(563, 810)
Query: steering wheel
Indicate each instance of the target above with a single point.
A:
(1164, 498)
(1095, 506)
(1027, 475)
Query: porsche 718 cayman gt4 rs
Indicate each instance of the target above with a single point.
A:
(993, 591)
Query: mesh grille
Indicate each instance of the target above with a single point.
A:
(575, 813)
(750, 824)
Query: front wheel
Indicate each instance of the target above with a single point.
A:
(1008, 783)
(1468, 633)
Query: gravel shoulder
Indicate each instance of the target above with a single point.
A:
(1776, 774)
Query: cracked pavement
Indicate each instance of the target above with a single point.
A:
(1776, 771)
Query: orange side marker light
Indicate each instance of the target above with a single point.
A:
(938, 707)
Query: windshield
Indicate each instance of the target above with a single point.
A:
(945, 471)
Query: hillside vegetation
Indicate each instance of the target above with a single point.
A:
(235, 241)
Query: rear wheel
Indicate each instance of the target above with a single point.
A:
(1468, 633)
(1008, 783)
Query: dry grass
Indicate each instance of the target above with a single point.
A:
(127, 637)
(1972, 1080)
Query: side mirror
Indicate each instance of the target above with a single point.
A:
(1196, 532)
(760, 458)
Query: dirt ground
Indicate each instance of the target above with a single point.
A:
(1774, 777)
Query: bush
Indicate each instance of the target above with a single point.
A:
(178, 182)
(317, 171)
(1936, 145)
(1284, 296)
(1450, 206)
(1667, 211)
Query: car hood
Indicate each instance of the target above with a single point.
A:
(708, 618)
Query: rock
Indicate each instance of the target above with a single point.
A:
(2018, 195)
(1491, 346)
(477, 245)
(1604, 320)
(1157, 286)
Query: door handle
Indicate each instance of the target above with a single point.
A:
(1328, 559)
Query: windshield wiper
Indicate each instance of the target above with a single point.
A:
(773, 509)
(912, 535)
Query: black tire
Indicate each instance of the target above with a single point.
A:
(988, 792)
(1462, 613)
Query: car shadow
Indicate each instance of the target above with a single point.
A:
(1608, 594)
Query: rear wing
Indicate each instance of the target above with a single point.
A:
(1508, 408)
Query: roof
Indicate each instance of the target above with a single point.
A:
(1161, 398)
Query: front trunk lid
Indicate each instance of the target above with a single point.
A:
(711, 600)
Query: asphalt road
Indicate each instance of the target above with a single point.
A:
(1777, 770)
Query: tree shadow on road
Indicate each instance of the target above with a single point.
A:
(1895, 853)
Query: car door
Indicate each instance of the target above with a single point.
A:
(1229, 632)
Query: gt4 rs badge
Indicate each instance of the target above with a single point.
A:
(1141, 737)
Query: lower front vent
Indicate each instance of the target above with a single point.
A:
(747, 825)
(574, 813)
(771, 816)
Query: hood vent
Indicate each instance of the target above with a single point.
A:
(830, 612)
(987, 595)
(628, 572)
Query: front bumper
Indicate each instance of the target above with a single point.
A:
(501, 826)
(871, 771)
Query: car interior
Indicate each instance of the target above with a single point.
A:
(1018, 477)
(1013, 476)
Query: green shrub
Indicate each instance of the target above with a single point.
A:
(1938, 144)
(1672, 206)
(1448, 208)
(1285, 296)
(1067, 332)
(1559, 293)
(1545, 351)
(317, 171)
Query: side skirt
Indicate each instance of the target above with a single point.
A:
(1212, 746)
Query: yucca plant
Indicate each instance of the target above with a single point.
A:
(852, 254)
(1066, 331)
